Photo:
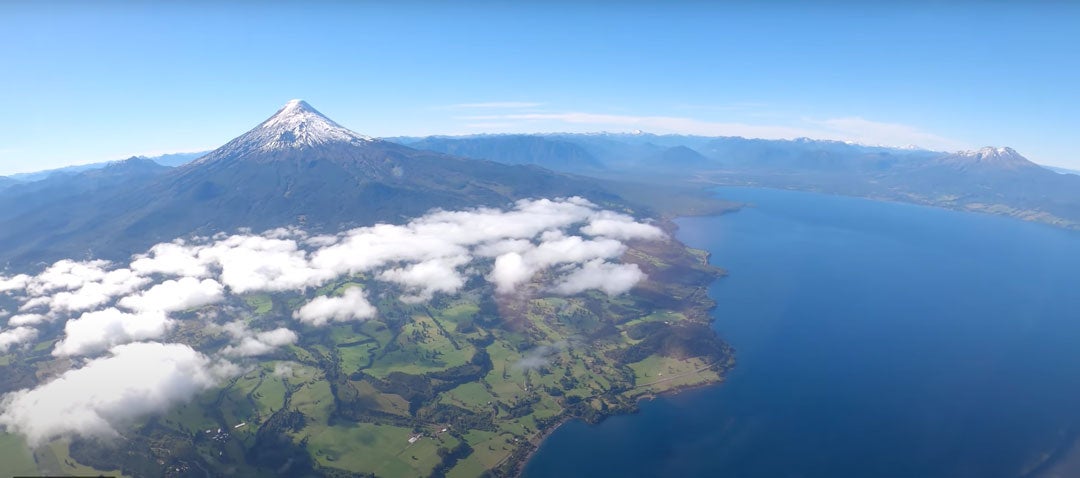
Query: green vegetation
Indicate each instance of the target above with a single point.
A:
(458, 387)
(16, 457)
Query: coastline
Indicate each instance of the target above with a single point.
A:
(534, 444)
(995, 210)
(668, 223)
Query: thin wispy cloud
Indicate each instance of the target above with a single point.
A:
(489, 127)
(497, 105)
(653, 124)
(894, 134)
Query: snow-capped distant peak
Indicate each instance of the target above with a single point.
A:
(296, 126)
(990, 156)
(989, 152)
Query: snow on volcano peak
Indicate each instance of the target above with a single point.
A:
(296, 126)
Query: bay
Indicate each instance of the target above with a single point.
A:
(873, 340)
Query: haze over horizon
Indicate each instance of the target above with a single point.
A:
(108, 82)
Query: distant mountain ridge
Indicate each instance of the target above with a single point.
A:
(171, 160)
(300, 167)
(57, 189)
(297, 167)
(552, 153)
(6, 182)
(996, 180)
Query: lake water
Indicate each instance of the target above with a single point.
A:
(873, 340)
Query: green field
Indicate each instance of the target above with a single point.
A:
(494, 371)
(380, 449)
(16, 456)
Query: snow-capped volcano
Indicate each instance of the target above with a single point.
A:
(990, 153)
(296, 126)
(1004, 158)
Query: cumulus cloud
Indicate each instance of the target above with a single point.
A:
(97, 331)
(95, 293)
(510, 271)
(249, 263)
(424, 279)
(112, 309)
(132, 381)
(18, 335)
(13, 283)
(175, 295)
(352, 305)
(27, 319)
(66, 274)
(613, 279)
(171, 258)
(433, 254)
(620, 226)
(250, 343)
(513, 268)
(36, 303)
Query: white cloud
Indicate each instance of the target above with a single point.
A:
(13, 283)
(173, 259)
(40, 303)
(352, 305)
(613, 279)
(560, 249)
(132, 381)
(887, 134)
(66, 274)
(93, 294)
(510, 271)
(435, 253)
(620, 226)
(249, 263)
(368, 248)
(28, 319)
(497, 105)
(18, 335)
(422, 280)
(97, 331)
(253, 344)
(175, 296)
(505, 246)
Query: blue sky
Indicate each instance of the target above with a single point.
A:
(86, 84)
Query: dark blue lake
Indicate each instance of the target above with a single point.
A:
(873, 340)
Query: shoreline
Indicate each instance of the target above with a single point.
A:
(671, 226)
(544, 435)
(975, 208)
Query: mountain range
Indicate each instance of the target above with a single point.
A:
(301, 168)
(993, 180)
(296, 168)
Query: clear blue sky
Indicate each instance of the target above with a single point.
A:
(86, 84)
